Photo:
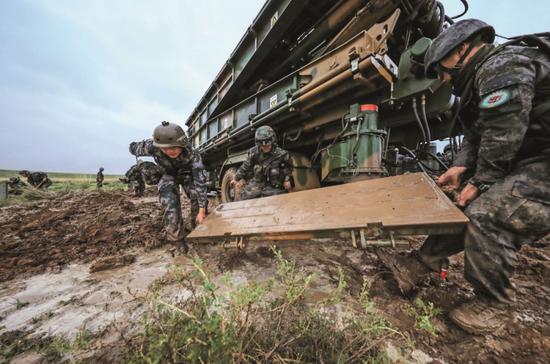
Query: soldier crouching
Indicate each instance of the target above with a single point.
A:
(181, 166)
(269, 165)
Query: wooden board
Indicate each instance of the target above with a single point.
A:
(407, 204)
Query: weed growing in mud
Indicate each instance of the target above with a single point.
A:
(424, 313)
(255, 322)
(20, 304)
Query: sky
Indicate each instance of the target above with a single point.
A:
(81, 79)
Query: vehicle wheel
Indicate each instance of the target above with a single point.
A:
(229, 194)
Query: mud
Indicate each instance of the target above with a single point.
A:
(86, 260)
(75, 227)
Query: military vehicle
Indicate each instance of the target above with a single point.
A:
(342, 84)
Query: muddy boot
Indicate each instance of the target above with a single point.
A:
(483, 315)
(407, 270)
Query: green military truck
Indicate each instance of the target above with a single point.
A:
(341, 83)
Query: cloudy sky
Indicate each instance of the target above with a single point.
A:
(80, 79)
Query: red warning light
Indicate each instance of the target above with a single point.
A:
(369, 107)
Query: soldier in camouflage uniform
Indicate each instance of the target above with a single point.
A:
(16, 186)
(37, 179)
(99, 178)
(181, 166)
(140, 174)
(268, 165)
(505, 117)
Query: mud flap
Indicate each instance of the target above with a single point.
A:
(373, 212)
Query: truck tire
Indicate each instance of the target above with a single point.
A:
(228, 192)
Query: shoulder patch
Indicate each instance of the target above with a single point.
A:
(495, 99)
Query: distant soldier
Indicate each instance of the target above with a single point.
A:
(181, 166)
(15, 185)
(268, 165)
(36, 179)
(99, 178)
(140, 174)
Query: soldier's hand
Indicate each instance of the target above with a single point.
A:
(452, 177)
(467, 195)
(200, 216)
(287, 185)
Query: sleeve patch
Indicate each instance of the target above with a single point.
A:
(495, 99)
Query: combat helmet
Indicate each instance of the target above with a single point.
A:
(169, 135)
(451, 38)
(101, 169)
(264, 134)
(24, 173)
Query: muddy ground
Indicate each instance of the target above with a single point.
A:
(85, 260)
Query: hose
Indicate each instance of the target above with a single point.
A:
(411, 153)
(418, 121)
(425, 118)
(466, 7)
(441, 15)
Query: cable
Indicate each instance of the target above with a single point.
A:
(441, 15)
(419, 122)
(466, 7)
(425, 118)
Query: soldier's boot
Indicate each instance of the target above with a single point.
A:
(408, 270)
(483, 315)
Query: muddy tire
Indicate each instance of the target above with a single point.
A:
(229, 193)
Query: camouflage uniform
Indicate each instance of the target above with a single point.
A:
(16, 185)
(140, 174)
(99, 178)
(37, 179)
(269, 172)
(187, 170)
(507, 151)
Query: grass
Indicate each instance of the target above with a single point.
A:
(258, 322)
(61, 183)
(424, 314)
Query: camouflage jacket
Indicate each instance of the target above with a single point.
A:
(499, 132)
(37, 179)
(149, 171)
(99, 177)
(187, 168)
(273, 168)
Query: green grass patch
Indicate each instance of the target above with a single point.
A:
(257, 322)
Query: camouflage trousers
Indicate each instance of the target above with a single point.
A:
(514, 211)
(138, 185)
(256, 189)
(175, 225)
(99, 184)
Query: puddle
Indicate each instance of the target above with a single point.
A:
(62, 303)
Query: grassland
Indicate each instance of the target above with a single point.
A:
(72, 181)
(61, 182)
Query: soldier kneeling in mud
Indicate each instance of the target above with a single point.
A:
(36, 179)
(140, 174)
(269, 166)
(181, 166)
(505, 118)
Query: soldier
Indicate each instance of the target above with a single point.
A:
(180, 166)
(269, 166)
(506, 123)
(99, 178)
(16, 185)
(140, 174)
(37, 179)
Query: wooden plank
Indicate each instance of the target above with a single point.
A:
(408, 204)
